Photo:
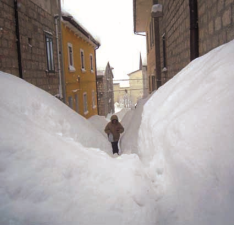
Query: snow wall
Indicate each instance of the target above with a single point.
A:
(186, 141)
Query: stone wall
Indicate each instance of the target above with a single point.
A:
(8, 47)
(105, 91)
(33, 23)
(101, 96)
(215, 25)
(175, 25)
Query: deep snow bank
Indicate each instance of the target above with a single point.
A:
(25, 103)
(50, 175)
(99, 122)
(186, 141)
(131, 122)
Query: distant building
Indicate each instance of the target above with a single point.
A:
(138, 83)
(105, 90)
(179, 31)
(136, 86)
(30, 42)
(121, 95)
(79, 67)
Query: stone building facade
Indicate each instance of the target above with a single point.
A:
(28, 42)
(105, 91)
(184, 30)
(136, 86)
(121, 94)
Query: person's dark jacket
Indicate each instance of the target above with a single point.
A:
(115, 129)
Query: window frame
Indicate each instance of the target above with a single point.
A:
(85, 103)
(91, 62)
(71, 61)
(82, 60)
(70, 102)
(49, 53)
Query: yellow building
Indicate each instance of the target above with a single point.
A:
(79, 49)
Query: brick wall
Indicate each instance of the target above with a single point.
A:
(33, 22)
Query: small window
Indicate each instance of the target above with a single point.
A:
(91, 62)
(70, 102)
(49, 52)
(93, 99)
(70, 57)
(85, 102)
(82, 59)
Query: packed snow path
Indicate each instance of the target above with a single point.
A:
(56, 168)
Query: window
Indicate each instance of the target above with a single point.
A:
(91, 62)
(85, 103)
(70, 102)
(93, 99)
(153, 83)
(70, 57)
(82, 60)
(49, 52)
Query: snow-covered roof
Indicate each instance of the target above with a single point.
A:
(67, 17)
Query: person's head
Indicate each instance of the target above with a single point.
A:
(114, 119)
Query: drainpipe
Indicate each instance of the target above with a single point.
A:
(61, 55)
(194, 39)
(157, 52)
(96, 78)
(18, 39)
(56, 18)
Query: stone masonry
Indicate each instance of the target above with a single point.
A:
(105, 91)
(34, 22)
(215, 27)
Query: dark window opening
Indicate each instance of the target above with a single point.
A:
(91, 62)
(82, 59)
(70, 55)
(49, 53)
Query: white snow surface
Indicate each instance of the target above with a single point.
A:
(99, 122)
(186, 141)
(56, 168)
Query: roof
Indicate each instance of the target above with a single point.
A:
(71, 20)
(133, 72)
(101, 72)
(141, 14)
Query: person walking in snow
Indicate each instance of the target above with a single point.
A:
(113, 130)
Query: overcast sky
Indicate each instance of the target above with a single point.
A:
(111, 22)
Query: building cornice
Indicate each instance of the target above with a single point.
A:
(69, 22)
